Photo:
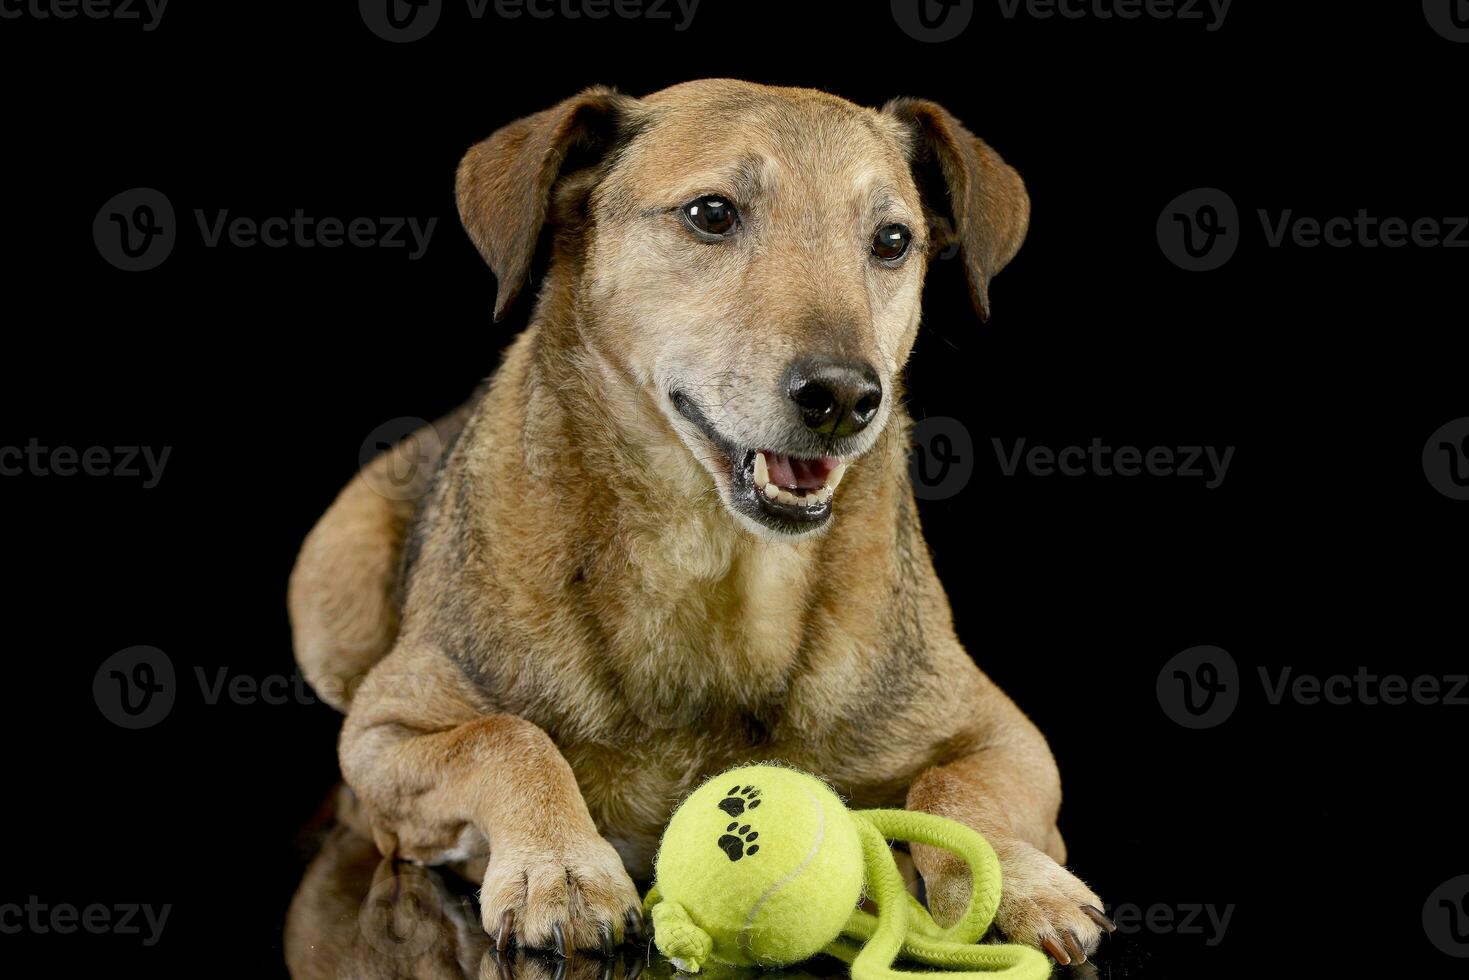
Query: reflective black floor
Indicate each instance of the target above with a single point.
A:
(360, 916)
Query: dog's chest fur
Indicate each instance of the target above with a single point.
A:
(695, 615)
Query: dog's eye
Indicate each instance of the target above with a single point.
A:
(891, 241)
(711, 216)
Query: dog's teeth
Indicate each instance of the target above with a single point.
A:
(786, 497)
(762, 471)
(772, 491)
(835, 476)
(826, 494)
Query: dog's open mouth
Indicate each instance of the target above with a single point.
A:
(789, 488)
(788, 493)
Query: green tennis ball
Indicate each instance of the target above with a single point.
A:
(765, 862)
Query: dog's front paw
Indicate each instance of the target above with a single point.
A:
(1041, 903)
(577, 896)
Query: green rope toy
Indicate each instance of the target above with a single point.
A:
(765, 866)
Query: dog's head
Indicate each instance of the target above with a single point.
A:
(751, 258)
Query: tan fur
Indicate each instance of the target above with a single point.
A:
(588, 628)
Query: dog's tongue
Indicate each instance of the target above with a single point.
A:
(791, 473)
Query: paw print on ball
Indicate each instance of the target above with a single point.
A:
(739, 799)
(739, 841)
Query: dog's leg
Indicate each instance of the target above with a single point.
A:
(344, 614)
(1010, 791)
(440, 781)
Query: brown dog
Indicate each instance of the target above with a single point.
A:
(632, 565)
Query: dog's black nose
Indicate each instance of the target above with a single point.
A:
(834, 397)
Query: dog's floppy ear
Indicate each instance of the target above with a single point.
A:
(504, 183)
(974, 198)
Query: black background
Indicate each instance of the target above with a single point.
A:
(264, 369)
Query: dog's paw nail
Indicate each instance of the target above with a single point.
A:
(604, 932)
(632, 930)
(1100, 918)
(506, 930)
(559, 934)
(1054, 948)
(1074, 947)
